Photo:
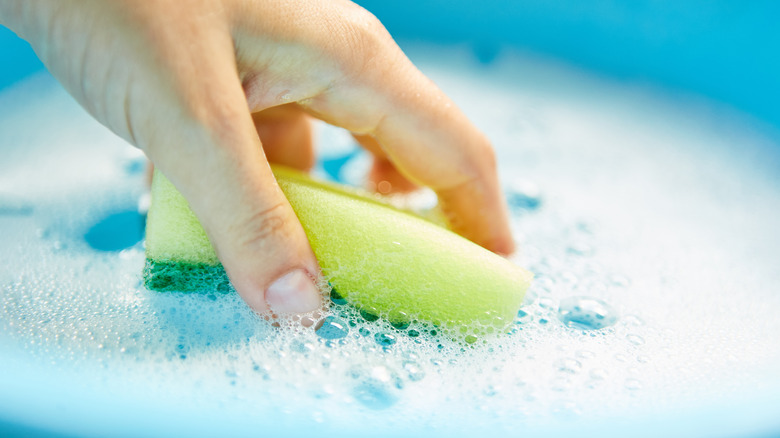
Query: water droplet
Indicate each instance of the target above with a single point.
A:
(598, 374)
(586, 313)
(332, 328)
(635, 339)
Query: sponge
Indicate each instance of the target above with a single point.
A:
(382, 260)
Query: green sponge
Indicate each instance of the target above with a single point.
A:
(383, 260)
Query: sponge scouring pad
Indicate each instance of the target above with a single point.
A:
(381, 259)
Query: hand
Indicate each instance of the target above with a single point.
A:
(197, 85)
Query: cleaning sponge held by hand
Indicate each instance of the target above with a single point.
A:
(381, 259)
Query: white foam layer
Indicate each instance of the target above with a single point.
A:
(661, 206)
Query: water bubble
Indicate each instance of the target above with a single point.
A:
(633, 384)
(490, 390)
(384, 339)
(523, 317)
(299, 346)
(369, 315)
(561, 384)
(336, 298)
(586, 313)
(375, 388)
(413, 370)
(333, 328)
(580, 249)
(565, 409)
(585, 354)
(635, 339)
(568, 365)
(546, 303)
(618, 280)
(633, 320)
(399, 320)
(598, 374)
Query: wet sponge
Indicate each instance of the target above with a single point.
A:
(380, 259)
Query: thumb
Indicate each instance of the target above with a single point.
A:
(198, 131)
(257, 236)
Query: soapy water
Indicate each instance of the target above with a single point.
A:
(649, 221)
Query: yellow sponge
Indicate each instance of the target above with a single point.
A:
(383, 260)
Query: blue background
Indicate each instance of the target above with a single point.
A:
(725, 50)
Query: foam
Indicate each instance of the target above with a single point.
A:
(660, 206)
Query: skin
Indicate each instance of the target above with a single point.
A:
(213, 90)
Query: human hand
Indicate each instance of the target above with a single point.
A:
(212, 90)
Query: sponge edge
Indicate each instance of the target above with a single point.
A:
(386, 261)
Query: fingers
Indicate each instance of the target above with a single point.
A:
(422, 133)
(383, 177)
(286, 134)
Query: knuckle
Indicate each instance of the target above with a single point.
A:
(260, 229)
(364, 36)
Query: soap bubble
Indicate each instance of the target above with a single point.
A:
(333, 328)
(586, 313)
